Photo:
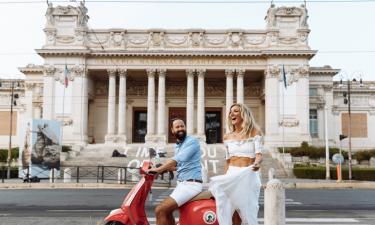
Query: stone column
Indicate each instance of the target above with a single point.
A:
(228, 94)
(80, 104)
(29, 100)
(200, 106)
(190, 101)
(111, 106)
(150, 105)
(122, 107)
(49, 93)
(240, 86)
(303, 101)
(161, 106)
(38, 111)
(272, 100)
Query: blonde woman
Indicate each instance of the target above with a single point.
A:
(237, 191)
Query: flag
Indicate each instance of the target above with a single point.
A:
(66, 80)
(284, 77)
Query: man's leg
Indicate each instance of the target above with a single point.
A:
(164, 212)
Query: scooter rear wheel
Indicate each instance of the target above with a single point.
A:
(114, 223)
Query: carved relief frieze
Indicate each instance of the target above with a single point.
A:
(98, 39)
(253, 90)
(137, 40)
(77, 71)
(176, 90)
(213, 89)
(157, 39)
(80, 34)
(303, 71)
(117, 39)
(196, 39)
(289, 122)
(65, 39)
(215, 40)
(288, 40)
(254, 39)
(50, 35)
(235, 39)
(175, 40)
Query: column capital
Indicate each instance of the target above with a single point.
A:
(151, 72)
(273, 71)
(162, 72)
(49, 71)
(201, 72)
(111, 72)
(229, 72)
(190, 72)
(78, 71)
(240, 72)
(303, 71)
(122, 72)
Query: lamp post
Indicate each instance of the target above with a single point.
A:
(347, 101)
(12, 103)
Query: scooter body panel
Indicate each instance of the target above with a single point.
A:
(200, 212)
(117, 215)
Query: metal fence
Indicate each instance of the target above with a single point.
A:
(82, 174)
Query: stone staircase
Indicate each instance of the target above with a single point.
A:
(213, 158)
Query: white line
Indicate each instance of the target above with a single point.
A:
(3, 215)
(78, 210)
(310, 220)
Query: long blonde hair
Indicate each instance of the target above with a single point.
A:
(248, 123)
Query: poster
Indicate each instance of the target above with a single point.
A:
(41, 147)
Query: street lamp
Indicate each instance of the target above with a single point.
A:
(347, 101)
(13, 102)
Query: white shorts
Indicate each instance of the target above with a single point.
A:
(185, 191)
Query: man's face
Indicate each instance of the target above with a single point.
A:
(178, 129)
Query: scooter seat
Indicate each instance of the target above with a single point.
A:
(202, 196)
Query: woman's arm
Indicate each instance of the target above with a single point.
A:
(226, 151)
(257, 162)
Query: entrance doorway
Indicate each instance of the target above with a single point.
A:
(175, 112)
(213, 126)
(139, 125)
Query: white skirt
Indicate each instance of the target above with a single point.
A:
(238, 190)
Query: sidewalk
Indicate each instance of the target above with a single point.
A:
(90, 184)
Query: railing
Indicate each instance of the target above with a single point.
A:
(81, 174)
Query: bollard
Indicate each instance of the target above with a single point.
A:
(271, 174)
(67, 175)
(274, 203)
(120, 175)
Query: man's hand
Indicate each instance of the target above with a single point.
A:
(153, 171)
(255, 166)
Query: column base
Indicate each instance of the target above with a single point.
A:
(81, 141)
(115, 139)
(156, 139)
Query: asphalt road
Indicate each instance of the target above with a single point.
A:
(90, 206)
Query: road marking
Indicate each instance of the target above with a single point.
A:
(4, 215)
(78, 210)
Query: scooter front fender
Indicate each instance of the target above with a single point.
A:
(118, 215)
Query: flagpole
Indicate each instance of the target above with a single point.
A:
(283, 119)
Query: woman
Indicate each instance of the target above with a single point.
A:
(237, 191)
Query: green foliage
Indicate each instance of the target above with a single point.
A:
(311, 151)
(4, 154)
(364, 155)
(13, 172)
(319, 172)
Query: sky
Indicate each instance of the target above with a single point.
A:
(343, 31)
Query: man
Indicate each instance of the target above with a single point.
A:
(187, 162)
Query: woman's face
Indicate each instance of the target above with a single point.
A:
(235, 115)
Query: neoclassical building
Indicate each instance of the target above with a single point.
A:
(120, 86)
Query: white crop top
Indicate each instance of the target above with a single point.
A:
(244, 148)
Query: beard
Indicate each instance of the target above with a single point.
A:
(180, 135)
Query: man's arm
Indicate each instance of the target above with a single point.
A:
(170, 165)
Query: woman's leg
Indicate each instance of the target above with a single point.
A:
(236, 219)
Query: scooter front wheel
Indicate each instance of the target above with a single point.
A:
(114, 223)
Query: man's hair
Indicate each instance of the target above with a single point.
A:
(175, 119)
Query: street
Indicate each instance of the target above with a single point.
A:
(90, 206)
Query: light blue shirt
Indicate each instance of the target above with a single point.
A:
(188, 158)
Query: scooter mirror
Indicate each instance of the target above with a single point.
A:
(152, 153)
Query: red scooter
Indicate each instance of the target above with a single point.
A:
(201, 210)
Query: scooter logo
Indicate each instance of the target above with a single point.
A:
(209, 217)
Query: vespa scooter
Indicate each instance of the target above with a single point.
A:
(200, 210)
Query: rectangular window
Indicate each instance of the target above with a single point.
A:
(313, 123)
(358, 124)
(5, 123)
(313, 92)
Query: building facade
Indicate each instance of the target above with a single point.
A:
(119, 86)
